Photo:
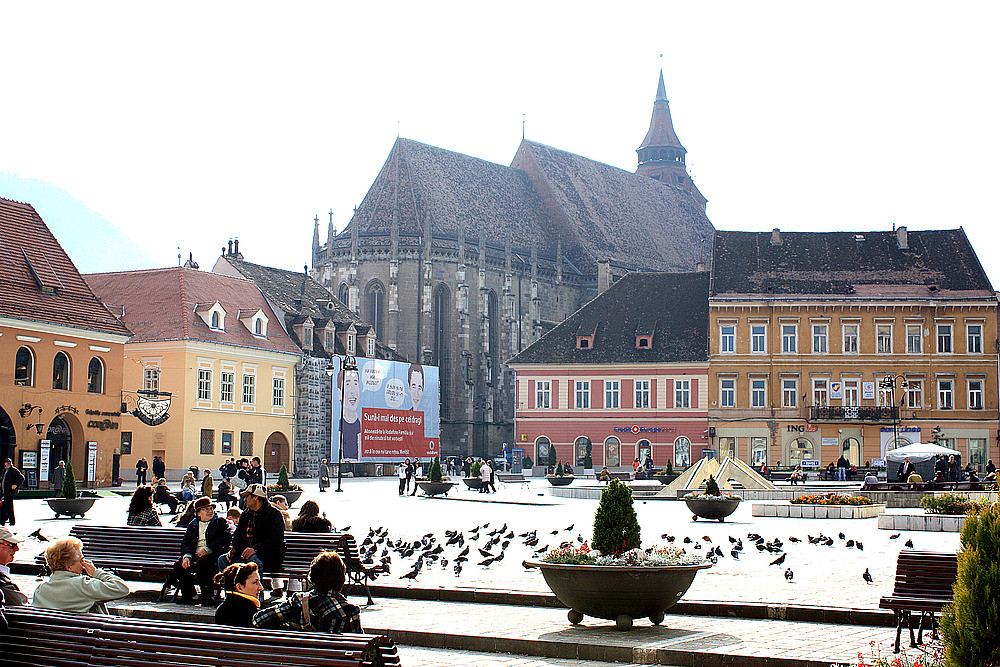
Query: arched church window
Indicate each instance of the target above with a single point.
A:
(376, 308)
(342, 294)
(442, 343)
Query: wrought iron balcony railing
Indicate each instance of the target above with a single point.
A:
(853, 413)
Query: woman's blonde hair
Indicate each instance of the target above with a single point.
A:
(63, 552)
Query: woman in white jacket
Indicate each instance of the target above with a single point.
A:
(75, 584)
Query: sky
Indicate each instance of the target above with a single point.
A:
(144, 130)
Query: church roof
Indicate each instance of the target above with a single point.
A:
(672, 307)
(934, 264)
(661, 126)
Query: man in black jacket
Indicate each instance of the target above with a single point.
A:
(204, 540)
(11, 481)
(159, 467)
(255, 473)
(260, 534)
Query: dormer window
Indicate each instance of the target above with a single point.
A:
(585, 335)
(216, 321)
(584, 342)
(254, 320)
(371, 346)
(643, 342)
(351, 343)
(258, 327)
(213, 315)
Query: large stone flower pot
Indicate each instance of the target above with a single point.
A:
(435, 488)
(556, 480)
(666, 479)
(714, 510)
(618, 593)
(291, 496)
(473, 482)
(72, 507)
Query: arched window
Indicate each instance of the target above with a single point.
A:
(852, 450)
(95, 376)
(612, 452)
(342, 294)
(376, 307)
(492, 342)
(801, 449)
(443, 344)
(542, 445)
(581, 446)
(216, 321)
(24, 367)
(60, 371)
(258, 327)
(682, 452)
(645, 452)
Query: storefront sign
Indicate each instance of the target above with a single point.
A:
(43, 455)
(905, 435)
(29, 459)
(801, 428)
(878, 463)
(868, 390)
(635, 428)
(91, 461)
(829, 442)
(809, 463)
(103, 424)
(836, 389)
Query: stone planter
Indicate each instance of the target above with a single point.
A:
(945, 523)
(556, 480)
(474, 483)
(435, 488)
(666, 479)
(71, 507)
(788, 510)
(713, 510)
(291, 496)
(617, 593)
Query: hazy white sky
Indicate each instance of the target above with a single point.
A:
(188, 123)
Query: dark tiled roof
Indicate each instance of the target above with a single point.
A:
(938, 263)
(30, 258)
(673, 306)
(160, 304)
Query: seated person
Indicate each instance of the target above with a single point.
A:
(324, 608)
(567, 469)
(309, 520)
(990, 477)
(831, 471)
(204, 540)
(187, 492)
(260, 534)
(241, 581)
(796, 476)
(224, 494)
(75, 584)
(186, 516)
(870, 478)
(8, 549)
(914, 478)
(940, 476)
(233, 518)
(604, 475)
(140, 508)
(163, 496)
(973, 475)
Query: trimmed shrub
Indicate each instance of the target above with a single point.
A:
(526, 462)
(712, 487)
(283, 478)
(69, 483)
(670, 468)
(949, 503)
(559, 470)
(969, 625)
(552, 455)
(588, 461)
(616, 528)
(435, 472)
(474, 470)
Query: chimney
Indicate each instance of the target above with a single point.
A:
(901, 238)
(190, 263)
(236, 247)
(603, 275)
(775, 236)
(699, 267)
(229, 245)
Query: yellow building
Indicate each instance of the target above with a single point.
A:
(823, 344)
(214, 343)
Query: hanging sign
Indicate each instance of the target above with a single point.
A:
(836, 389)
(43, 460)
(868, 390)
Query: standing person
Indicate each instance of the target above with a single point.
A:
(8, 549)
(467, 467)
(140, 471)
(906, 469)
(259, 536)
(241, 581)
(159, 468)
(941, 466)
(409, 474)
(324, 475)
(990, 467)
(486, 474)
(140, 509)
(324, 608)
(842, 469)
(255, 473)
(403, 477)
(75, 584)
(953, 471)
(58, 476)
(11, 481)
(204, 540)
(206, 484)
(418, 471)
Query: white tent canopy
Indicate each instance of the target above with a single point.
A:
(919, 452)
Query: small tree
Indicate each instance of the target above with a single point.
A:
(559, 470)
(969, 625)
(435, 472)
(712, 487)
(69, 483)
(283, 479)
(670, 468)
(552, 456)
(616, 528)
(588, 462)
(526, 462)
(476, 467)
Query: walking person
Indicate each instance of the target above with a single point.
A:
(324, 476)
(953, 469)
(140, 471)
(159, 468)
(486, 475)
(11, 482)
(58, 477)
(403, 477)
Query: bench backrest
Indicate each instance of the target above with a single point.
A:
(925, 574)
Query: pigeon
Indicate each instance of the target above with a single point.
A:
(345, 529)
(850, 543)
(554, 532)
(707, 538)
(570, 527)
(867, 576)
(579, 538)
(670, 538)
(779, 560)
(893, 537)
(794, 539)
(542, 550)
(718, 552)
(487, 562)
(687, 540)
(860, 546)
(485, 553)
(664, 536)
(732, 540)
(908, 544)
(788, 574)
(458, 569)
(735, 554)
(698, 545)
(412, 574)
(38, 536)
(841, 536)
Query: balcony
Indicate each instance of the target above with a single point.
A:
(871, 414)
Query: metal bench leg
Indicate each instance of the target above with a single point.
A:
(913, 641)
(901, 616)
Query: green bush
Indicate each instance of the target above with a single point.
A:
(969, 625)
(588, 461)
(712, 487)
(474, 470)
(435, 472)
(283, 478)
(949, 503)
(69, 483)
(559, 470)
(670, 468)
(616, 528)
(526, 462)
(552, 455)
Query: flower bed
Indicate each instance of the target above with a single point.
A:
(711, 496)
(651, 557)
(809, 511)
(954, 504)
(831, 499)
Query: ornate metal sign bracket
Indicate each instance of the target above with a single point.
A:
(148, 406)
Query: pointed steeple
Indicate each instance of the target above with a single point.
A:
(661, 127)
(315, 252)
(661, 90)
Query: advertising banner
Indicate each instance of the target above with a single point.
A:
(390, 411)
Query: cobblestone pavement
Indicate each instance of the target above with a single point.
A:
(413, 656)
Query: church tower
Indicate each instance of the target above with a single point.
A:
(661, 155)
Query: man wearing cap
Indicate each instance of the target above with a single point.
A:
(8, 548)
(260, 534)
(204, 540)
(11, 481)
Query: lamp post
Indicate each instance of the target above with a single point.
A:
(347, 363)
(889, 382)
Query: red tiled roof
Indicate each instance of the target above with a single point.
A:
(30, 259)
(160, 304)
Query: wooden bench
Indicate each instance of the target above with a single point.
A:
(47, 638)
(924, 581)
(511, 478)
(926, 486)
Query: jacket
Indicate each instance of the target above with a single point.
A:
(159, 467)
(217, 537)
(58, 477)
(254, 475)
(268, 529)
(69, 591)
(11, 592)
(11, 477)
(236, 610)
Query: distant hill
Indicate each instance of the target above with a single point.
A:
(93, 243)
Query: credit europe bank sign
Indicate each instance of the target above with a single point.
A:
(638, 429)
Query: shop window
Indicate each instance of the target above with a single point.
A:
(758, 451)
(727, 447)
(977, 453)
(682, 452)
(801, 449)
(645, 452)
(612, 452)
(580, 447)
(542, 445)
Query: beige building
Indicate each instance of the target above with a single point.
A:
(214, 343)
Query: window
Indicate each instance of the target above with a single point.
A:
(758, 393)
(328, 341)
(246, 443)
(642, 393)
(151, 378)
(819, 338)
(351, 344)
(758, 450)
(611, 394)
(216, 321)
(376, 307)
(944, 338)
(612, 452)
(95, 376)
(851, 393)
(801, 449)
(788, 336)
(727, 338)
(542, 445)
(645, 452)
(60, 371)
(727, 392)
(258, 327)
(207, 441)
(977, 452)
(821, 388)
(249, 389)
(682, 452)
(885, 397)
(227, 442)
(758, 339)
(228, 387)
(914, 339)
(915, 394)
(975, 394)
(24, 367)
(204, 384)
(278, 393)
(883, 338)
(342, 294)
(126, 443)
(850, 339)
(789, 393)
(371, 346)
(582, 394)
(442, 344)
(682, 393)
(974, 338)
(727, 448)
(946, 399)
(543, 394)
(583, 447)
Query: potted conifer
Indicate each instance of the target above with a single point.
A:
(713, 504)
(435, 484)
(613, 577)
(560, 478)
(473, 481)
(70, 504)
(291, 492)
(668, 475)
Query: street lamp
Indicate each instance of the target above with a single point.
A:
(347, 363)
(889, 382)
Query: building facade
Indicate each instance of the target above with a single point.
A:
(462, 263)
(626, 375)
(214, 343)
(823, 344)
(61, 358)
